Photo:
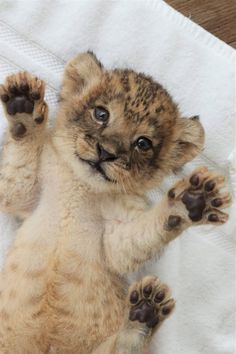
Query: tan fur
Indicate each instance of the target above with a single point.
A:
(62, 287)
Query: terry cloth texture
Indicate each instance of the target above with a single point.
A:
(199, 72)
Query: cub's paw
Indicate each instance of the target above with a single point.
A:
(201, 196)
(150, 302)
(22, 97)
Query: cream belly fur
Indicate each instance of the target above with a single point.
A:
(63, 275)
(80, 192)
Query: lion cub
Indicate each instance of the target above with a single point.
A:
(79, 190)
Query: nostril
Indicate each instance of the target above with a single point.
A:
(105, 155)
(99, 149)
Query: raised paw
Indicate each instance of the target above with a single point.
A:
(22, 96)
(150, 302)
(201, 196)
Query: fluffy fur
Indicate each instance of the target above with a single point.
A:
(80, 191)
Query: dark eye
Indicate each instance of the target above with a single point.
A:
(101, 114)
(143, 143)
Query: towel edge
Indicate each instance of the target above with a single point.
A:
(195, 29)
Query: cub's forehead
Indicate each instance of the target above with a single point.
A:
(133, 84)
(135, 102)
(139, 99)
(138, 92)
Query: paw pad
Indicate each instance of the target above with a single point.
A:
(19, 104)
(150, 302)
(147, 290)
(39, 120)
(5, 98)
(134, 297)
(216, 202)
(209, 186)
(23, 93)
(195, 203)
(20, 93)
(18, 130)
(173, 221)
(200, 194)
(194, 180)
(213, 218)
(159, 297)
(171, 193)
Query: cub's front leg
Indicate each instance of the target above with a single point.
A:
(22, 96)
(192, 201)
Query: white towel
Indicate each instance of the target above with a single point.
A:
(199, 72)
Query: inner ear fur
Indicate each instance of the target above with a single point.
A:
(79, 73)
(189, 137)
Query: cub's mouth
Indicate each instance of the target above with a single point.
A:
(96, 166)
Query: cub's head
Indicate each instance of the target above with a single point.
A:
(120, 130)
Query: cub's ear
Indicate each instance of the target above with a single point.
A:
(79, 73)
(189, 138)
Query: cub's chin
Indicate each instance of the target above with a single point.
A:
(98, 169)
(95, 176)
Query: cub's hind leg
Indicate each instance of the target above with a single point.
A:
(22, 96)
(149, 304)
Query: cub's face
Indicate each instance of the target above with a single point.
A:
(120, 130)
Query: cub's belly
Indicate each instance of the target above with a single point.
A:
(61, 297)
(86, 307)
